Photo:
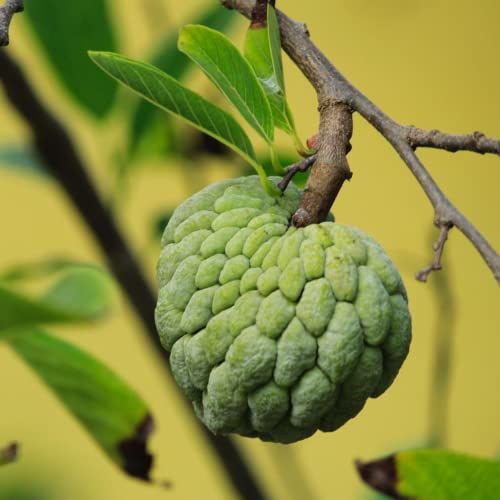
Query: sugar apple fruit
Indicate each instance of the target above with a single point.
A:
(274, 331)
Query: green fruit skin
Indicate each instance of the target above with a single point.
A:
(276, 332)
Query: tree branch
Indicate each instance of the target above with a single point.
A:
(59, 155)
(301, 166)
(438, 247)
(476, 142)
(330, 169)
(6, 14)
(332, 87)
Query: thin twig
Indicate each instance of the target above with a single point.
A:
(438, 247)
(6, 14)
(476, 142)
(58, 153)
(332, 87)
(301, 166)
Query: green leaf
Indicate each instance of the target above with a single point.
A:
(275, 160)
(39, 269)
(65, 31)
(231, 73)
(8, 454)
(285, 158)
(82, 294)
(265, 58)
(168, 94)
(113, 414)
(275, 46)
(263, 52)
(433, 474)
(167, 57)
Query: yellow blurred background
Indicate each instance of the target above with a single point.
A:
(434, 64)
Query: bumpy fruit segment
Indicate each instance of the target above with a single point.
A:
(276, 332)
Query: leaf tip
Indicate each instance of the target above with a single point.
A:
(381, 475)
(137, 461)
(95, 56)
(98, 55)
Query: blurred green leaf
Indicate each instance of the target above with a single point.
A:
(168, 94)
(40, 268)
(433, 474)
(8, 454)
(168, 58)
(66, 31)
(114, 415)
(31, 483)
(161, 139)
(80, 294)
(222, 62)
(20, 158)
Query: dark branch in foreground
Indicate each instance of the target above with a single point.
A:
(6, 14)
(337, 98)
(438, 247)
(61, 158)
(301, 166)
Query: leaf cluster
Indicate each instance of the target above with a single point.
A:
(253, 83)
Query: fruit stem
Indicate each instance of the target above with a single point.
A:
(275, 160)
(268, 186)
